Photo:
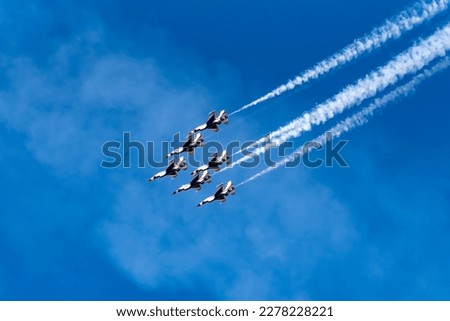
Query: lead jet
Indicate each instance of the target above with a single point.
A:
(192, 141)
(171, 170)
(196, 182)
(220, 195)
(213, 122)
(214, 163)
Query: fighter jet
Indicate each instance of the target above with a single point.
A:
(220, 195)
(192, 141)
(171, 170)
(213, 122)
(196, 182)
(214, 163)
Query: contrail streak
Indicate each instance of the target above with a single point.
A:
(392, 28)
(410, 61)
(359, 118)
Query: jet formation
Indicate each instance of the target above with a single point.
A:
(201, 174)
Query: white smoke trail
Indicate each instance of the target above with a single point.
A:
(410, 61)
(359, 118)
(392, 28)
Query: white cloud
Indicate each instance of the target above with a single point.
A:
(238, 249)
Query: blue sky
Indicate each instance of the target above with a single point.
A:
(74, 76)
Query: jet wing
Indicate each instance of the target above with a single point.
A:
(214, 127)
(219, 190)
(211, 117)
